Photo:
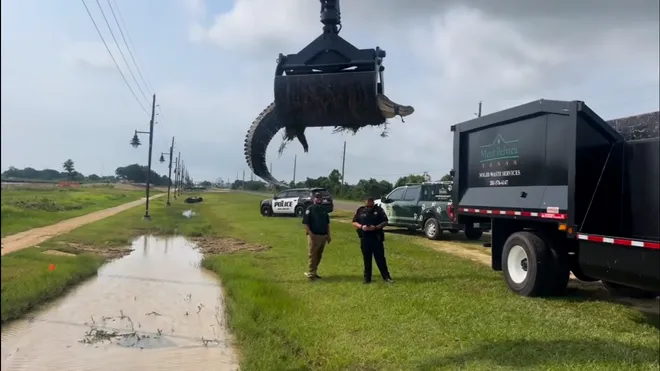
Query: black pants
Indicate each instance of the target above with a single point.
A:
(373, 247)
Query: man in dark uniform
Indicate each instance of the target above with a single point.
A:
(370, 221)
(317, 227)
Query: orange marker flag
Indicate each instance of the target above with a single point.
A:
(51, 267)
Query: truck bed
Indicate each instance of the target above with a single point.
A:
(557, 161)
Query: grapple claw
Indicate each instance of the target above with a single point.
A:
(328, 83)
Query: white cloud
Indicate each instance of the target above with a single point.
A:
(89, 53)
(443, 57)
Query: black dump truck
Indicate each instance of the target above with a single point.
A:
(564, 192)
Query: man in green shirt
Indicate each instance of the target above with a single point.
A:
(317, 227)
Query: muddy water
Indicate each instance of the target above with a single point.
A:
(154, 309)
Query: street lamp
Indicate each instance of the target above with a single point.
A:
(135, 142)
(169, 176)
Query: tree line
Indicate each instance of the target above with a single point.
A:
(364, 188)
(133, 173)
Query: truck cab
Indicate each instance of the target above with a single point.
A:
(427, 207)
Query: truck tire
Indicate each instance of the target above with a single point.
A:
(473, 234)
(266, 210)
(299, 211)
(527, 264)
(432, 229)
(627, 291)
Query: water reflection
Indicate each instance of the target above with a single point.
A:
(149, 311)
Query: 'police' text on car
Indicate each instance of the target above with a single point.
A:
(294, 202)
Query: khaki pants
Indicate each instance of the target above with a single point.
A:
(316, 244)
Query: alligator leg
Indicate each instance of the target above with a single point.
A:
(300, 134)
(267, 124)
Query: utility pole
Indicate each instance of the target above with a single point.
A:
(151, 144)
(243, 184)
(183, 177)
(295, 158)
(479, 112)
(343, 163)
(169, 176)
(176, 177)
(180, 177)
(252, 176)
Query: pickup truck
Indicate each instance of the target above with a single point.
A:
(428, 207)
(564, 192)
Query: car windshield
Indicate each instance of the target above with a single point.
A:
(323, 192)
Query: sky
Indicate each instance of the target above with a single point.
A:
(211, 65)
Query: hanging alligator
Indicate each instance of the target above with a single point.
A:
(329, 83)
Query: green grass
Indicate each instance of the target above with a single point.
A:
(443, 313)
(24, 208)
(27, 282)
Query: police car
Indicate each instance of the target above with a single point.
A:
(294, 202)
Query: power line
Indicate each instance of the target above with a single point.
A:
(120, 51)
(113, 57)
(128, 43)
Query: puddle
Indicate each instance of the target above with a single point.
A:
(189, 214)
(152, 309)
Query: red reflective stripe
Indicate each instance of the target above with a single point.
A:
(619, 241)
(532, 214)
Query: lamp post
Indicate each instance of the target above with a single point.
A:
(135, 142)
(169, 176)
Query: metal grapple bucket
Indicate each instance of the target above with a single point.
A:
(345, 98)
(329, 82)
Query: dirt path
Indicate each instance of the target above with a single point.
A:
(36, 236)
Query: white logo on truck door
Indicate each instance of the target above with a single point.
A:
(285, 205)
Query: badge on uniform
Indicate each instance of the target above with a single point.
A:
(307, 211)
(375, 213)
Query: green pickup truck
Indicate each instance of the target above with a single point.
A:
(426, 207)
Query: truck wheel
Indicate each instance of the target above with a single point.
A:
(527, 264)
(266, 211)
(627, 291)
(432, 229)
(473, 234)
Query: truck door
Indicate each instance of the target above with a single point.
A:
(410, 205)
(392, 208)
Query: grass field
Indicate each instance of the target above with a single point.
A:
(27, 208)
(443, 313)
